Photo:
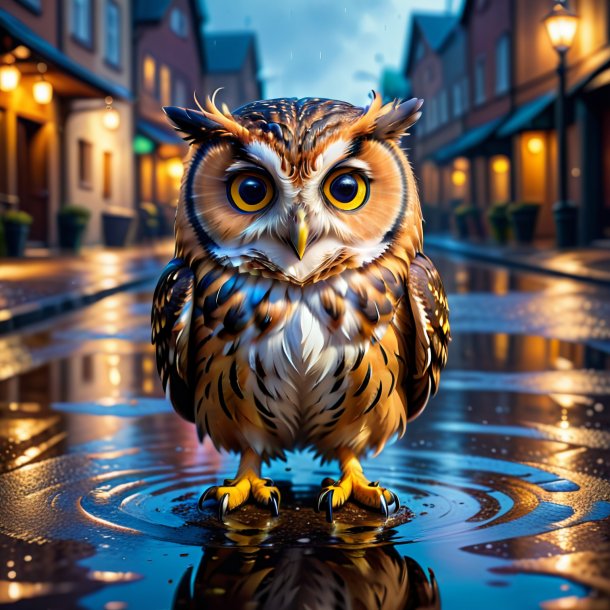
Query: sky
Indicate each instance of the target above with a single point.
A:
(322, 48)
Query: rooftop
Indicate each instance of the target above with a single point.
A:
(227, 51)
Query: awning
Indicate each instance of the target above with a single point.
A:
(157, 133)
(467, 141)
(523, 117)
(40, 46)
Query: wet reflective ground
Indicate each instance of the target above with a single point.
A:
(504, 478)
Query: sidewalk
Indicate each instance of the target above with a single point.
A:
(40, 286)
(585, 264)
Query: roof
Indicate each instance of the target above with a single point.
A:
(467, 141)
(150, 10)
(227, 51)
(18, 30)
(435, 28)
(158, 134)
(525, 116)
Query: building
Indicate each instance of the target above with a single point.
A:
(232, 63)
(507, 147)
(65, 110)
(169, 61)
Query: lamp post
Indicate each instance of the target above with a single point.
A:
(561, 25)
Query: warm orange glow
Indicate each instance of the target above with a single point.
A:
(561, 25)
(535, 145)
(461, 163)
(9, 78)
(21, 52)
(112, 118)
(500, 165)
(458, 177)
(175, 168)
(42, 91)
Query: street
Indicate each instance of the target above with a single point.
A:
(503, 479)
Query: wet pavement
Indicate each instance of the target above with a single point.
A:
(504, 478)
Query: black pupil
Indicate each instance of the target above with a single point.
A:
(344, 188)
(252, 190)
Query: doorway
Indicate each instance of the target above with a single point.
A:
(33, 177)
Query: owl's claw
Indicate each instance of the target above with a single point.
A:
(274, 502)
(206, 495)
(395, 502)
(326, 498)
(383, 506)
(223, 507)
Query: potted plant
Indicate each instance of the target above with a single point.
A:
(16, 231)
(523, 216)
(466, 220)
(499, 222)
(72, 223)
(117, 225)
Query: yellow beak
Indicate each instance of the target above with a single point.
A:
(299, 234)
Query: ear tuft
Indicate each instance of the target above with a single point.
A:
(190, 122)
(399, 116)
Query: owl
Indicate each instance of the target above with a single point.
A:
(299, 310)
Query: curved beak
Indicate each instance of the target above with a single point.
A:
(299, 232)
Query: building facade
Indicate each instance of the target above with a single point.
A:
(507, 150)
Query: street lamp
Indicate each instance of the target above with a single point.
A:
(561, 25)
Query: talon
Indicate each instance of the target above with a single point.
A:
(222, 507)
(395, 502)
(274, 501)
(268, 482)
(204, 496)
(329, 505)
(321, 499)
(374, 484)
(383, 506)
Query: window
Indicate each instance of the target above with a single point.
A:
(180, 92)
(443, 107)
(178, 23)
(112, 52)
(107, 175)
(85, 169)
(502, 64)
(457, 100)
(149, 71)
(82, 22)
(479, 80)
(166, 85)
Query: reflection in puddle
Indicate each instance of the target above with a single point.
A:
(504, 479)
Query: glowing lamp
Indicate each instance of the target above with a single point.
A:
(175, 168)
(561, 24)
(112, 118)
(9, 77)
(500, 165)
(458, 177)
(42, 91)
(535, 145)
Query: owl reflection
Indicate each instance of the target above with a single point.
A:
(299, 310)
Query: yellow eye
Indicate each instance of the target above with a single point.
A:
(346, 189)
(250, 192)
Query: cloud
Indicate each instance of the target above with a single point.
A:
(321, 48)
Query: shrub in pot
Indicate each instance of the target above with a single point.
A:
(117, 226)
(72, 221)
(16, 231)
(466, 218)
(499, 222)
(523, 217)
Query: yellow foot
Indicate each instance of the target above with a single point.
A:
(355, 486)
(236, 492)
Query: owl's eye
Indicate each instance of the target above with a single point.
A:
(346, 189)
(250, 192)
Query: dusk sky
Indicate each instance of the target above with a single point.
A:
(322, 48)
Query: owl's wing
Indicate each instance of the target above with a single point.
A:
(171, 321)
(425, 321)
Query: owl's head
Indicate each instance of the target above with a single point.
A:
(298, 189)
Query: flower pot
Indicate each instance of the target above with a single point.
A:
(15, 237)
(566, 224)
(71, 232)
(523, 219)
(499, 223)
(116, 227)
